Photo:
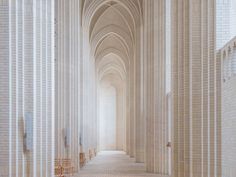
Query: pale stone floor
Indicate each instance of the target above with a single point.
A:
(114, 164)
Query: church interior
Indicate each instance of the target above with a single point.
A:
(117, 88)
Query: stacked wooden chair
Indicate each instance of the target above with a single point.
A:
(90, 154)
(64, 168)
(58, 168)
(82, 159)
(82, 156)
(68, 167)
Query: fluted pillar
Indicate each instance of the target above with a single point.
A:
(27, 88)
(132, 114)
(139, 96)
(67, 74)
(156, 120)
(89, 122)
(195, 89)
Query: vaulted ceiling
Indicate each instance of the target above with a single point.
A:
(112, 34)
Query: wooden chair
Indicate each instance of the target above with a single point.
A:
(68, 167)
(82, 159)
(58, 170)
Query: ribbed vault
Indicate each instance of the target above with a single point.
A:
(111, 27)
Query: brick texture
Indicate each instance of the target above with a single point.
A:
(4, 89)
(26, 81)
(67, 80)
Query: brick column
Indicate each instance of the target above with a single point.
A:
(68, 80)
(139, 98)
(155, 92)
(195, 89)
(27, 87)
(4, 88)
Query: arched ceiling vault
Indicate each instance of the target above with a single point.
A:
(111, 69)
(111, 63)
(108, 51)
(120, 34)
(110, 58)
(91, 7)
(117, 10)
(111, 27)
(118, 84)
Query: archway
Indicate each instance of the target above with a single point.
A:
(110, 30)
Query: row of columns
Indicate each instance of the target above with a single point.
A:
(195, 78)
(195, 85)
(196, 88)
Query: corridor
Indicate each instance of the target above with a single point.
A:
(114, 164)
(118, 88)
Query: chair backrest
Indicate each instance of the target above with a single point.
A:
(82, 156)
